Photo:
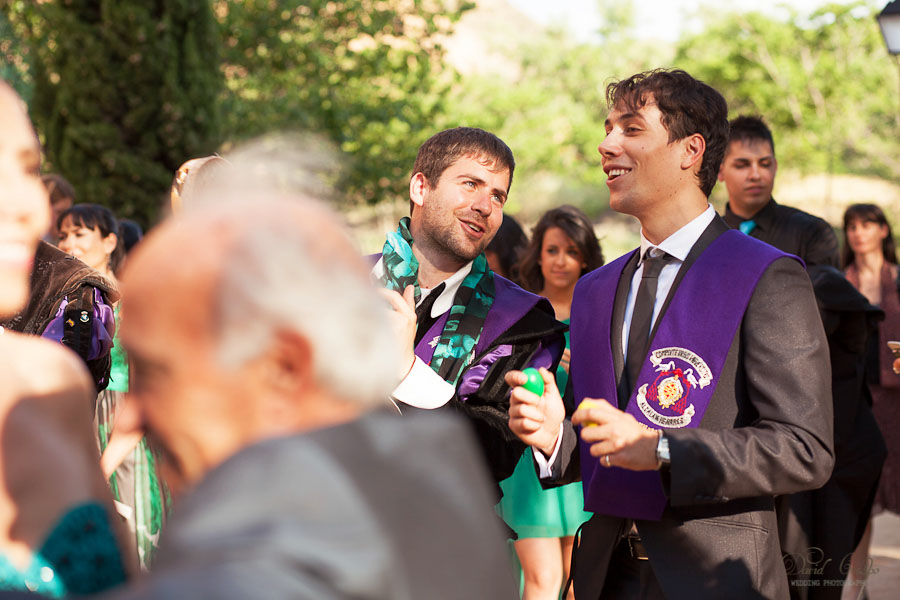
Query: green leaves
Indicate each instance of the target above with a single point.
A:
(123, 93)
(365, 73)
(823, 81)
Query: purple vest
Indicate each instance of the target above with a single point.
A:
(682, 367)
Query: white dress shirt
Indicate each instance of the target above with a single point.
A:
(677, 245)
(423, 387)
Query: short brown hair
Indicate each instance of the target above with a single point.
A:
(443, 149)
(688, 106)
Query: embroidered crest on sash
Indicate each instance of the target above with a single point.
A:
(678, 372)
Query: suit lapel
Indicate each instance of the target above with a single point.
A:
(618, 321)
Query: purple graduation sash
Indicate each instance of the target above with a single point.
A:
(507, 309)
(679, 374)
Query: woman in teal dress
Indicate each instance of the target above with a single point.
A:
(57, 525)
(90, 233)
(562, 249)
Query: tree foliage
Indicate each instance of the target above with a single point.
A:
(823, 81)
(549, 105)
(13, 66)
(367, 74)
(123, 92)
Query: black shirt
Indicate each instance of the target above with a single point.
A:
(794, 231)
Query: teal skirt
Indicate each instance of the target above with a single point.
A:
(533, 512)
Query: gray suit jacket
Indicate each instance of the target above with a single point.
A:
(767, 431)
(380, 508)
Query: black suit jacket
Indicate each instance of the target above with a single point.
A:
(767, 431)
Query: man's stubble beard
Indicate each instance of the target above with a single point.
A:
(445, 238)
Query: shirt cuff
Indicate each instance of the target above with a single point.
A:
(423, 388)
(545, 463)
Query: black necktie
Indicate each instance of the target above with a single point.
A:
(423, 312)
(639, 332)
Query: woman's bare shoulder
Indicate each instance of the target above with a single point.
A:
(35, 366)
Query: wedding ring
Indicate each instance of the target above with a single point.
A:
(606, 458)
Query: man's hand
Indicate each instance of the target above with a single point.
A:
(616, 437)
(403, 318)
(535, 419)
(897, 366)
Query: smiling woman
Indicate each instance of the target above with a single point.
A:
(56, 519)
(90, 233)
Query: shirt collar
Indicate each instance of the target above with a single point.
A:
(444, 302)
(763, 219)
(679, 244)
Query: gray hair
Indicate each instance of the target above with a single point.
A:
(291, 266)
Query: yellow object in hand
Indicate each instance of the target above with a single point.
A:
(588, 404)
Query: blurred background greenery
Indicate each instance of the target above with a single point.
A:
(123, 91)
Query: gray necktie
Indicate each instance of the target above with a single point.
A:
(641, 318)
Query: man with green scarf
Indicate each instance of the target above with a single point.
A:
(464, 326)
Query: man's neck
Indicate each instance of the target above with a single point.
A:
(659, 224)
(745, 212)
(433, 266)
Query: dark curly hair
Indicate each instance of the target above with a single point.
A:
(688, 106)
(577, 227)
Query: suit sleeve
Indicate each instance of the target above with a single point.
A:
(783, 391)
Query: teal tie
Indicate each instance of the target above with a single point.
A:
(747, 226)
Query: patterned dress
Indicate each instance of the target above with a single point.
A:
(141, 497)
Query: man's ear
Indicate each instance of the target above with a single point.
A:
(287, 366)
(694, 147)
(418, 186)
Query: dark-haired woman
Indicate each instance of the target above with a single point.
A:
(870, 263)
(562, 249)
(90, 233)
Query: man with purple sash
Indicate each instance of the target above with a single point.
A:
(465, 326)
(705, 369)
